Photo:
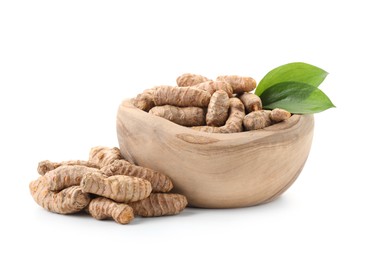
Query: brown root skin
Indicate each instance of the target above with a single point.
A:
(102, 156)
(213, 86)
(189, 79)
(279, 115)
(46, 166)
(251, 102)
(159, 182)
(103, 208)
(181, 97)
(159, 204)
(67, 201)
(239, 84)
(144, 101)
(185, 116)
(218, 109)
(120, 188)
(257, 120)
(66, 176)
(233, 123)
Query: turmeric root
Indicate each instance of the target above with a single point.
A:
(189, 79)
(159, 204)
(159, 182)
(67, 201)
(66, 176)
(181, 97)
(46, 166)
(218, 109)
(102, 208)
(239, 84)
(213, 86)
(251, 102)
(186, 116)
(278, 115)
(102, 156)
(257, 120)
(233, 123)
(119, 188)
(144, 101)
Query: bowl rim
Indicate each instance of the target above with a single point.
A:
(193, 136)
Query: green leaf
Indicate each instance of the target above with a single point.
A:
(297, 71)
(296, 97)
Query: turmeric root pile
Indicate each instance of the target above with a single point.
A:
(105, 186)
(224, 105)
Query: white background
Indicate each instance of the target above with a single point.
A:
(66, 65)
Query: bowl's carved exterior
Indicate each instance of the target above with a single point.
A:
(217, 170)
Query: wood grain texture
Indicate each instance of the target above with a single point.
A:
(217, 170)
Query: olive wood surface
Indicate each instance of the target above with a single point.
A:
(217, 170)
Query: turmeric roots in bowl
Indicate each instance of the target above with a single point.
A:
(225, 105)
(215, 141)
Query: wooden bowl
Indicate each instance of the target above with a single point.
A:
(217, 170)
